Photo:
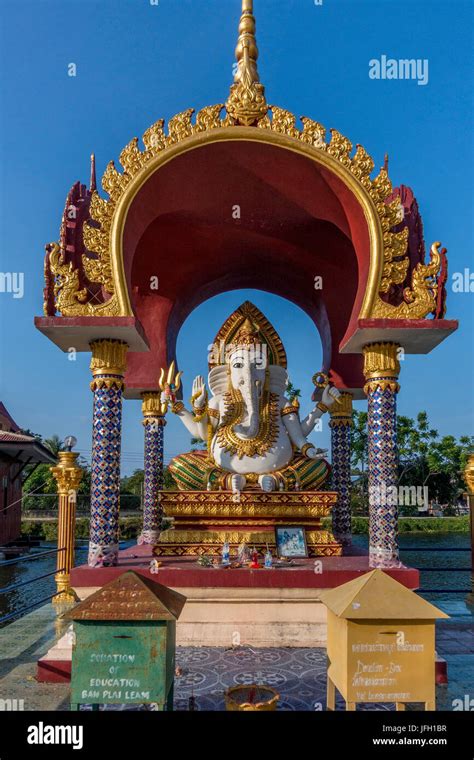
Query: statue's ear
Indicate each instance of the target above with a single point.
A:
(278, 379)
(217, 380)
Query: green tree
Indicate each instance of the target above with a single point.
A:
(359, 451)
(425, 459)
(39, 479)
(292, 393)
(133, 484)
(54, 444)
(169, 481)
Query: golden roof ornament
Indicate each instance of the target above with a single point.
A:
(246, 103)
(246, 106)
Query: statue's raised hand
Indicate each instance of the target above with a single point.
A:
(330, 394)
(199, 393)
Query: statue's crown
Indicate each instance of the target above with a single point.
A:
(248, 334)
(247, 326)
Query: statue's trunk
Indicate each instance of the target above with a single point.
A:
(250, 395)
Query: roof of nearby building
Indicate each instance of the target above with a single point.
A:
(5, 413)
(21, 448)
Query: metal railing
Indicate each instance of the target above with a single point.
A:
(21, 584)
(47, 504)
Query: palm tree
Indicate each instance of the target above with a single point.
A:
(54, 444)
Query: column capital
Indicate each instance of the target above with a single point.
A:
(381, 366)
(108, 363)
(153, 409)
(341, 413)
(67, 473)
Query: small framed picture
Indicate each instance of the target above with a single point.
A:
(290, 541)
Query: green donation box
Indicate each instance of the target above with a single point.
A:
(124, 644)
(381, 643)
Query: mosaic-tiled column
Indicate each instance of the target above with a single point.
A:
(108, 368)
(154, 423)
(341, 434)
(381, 369)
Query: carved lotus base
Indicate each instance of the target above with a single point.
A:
(204, 520)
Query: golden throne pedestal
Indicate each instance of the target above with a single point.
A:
(204, 520)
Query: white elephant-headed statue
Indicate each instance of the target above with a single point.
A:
(253, 432)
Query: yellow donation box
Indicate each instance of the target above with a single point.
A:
(381, 643)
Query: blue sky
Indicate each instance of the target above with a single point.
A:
(137, 62)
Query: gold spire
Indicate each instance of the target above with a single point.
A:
(246, 103)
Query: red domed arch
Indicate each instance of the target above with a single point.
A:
(246, 213)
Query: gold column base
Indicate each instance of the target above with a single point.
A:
(65, 593)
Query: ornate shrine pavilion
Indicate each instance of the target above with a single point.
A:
(170, 200)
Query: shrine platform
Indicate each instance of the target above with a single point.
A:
(243, 606)
(181, 572)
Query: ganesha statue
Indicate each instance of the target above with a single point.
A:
(252, 430)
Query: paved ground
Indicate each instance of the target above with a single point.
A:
(298, 674)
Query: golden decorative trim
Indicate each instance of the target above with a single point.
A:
(109, 357)
(342, 412)
(267, 433)
(151, 403)
(246, 117)
(69, 298)
(215, 550)
(204, 537)
(322, 407)
(243, 523)
(246, 104)
(420, 298)
(213, 413)
(373, 385)
(252, 504)
(306, 447)
(289, 410)
(158, 420)
(340, 422)
(280, 130)
(67, 473)
(152, 408)
(64, 592)
(107, 382)
(381, 360)
(177, 407)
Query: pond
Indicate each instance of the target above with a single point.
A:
(410, 544)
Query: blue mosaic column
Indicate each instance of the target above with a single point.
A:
(341, 435)
(154, 423)
(381, 369)
(108, 368)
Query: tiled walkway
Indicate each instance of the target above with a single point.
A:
(299, 675)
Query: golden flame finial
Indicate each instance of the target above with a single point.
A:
(246, 103)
